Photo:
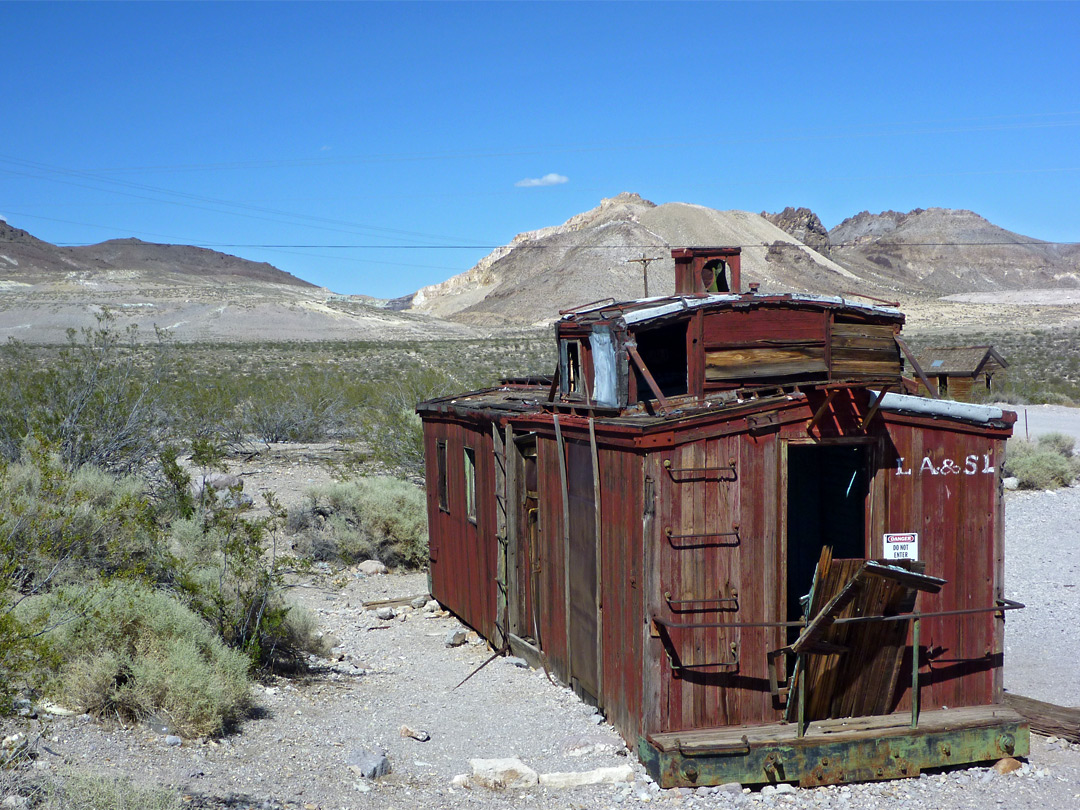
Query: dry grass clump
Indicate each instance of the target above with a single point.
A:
(79, 791)
(376, 518)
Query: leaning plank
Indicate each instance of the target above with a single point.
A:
(401, 601)
(1047, 718)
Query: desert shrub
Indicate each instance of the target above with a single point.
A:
(229, 573)
(1059, 443)
(1037, 467)
(366, 518)
(57, 524)
(293, 415)
(134, 652)
(81, 791)
(392, 426)
(58, 527)
(98, 402)
(286, 402)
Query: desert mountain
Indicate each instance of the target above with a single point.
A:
(949, 251)
(588, 258)
(192, 293)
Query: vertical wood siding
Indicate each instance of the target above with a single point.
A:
(552, 575)
(711, 564)
(463, 568)
(947, 489)
(622, 624)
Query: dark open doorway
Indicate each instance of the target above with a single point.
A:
(826, 506)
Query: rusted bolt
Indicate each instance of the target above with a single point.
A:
(946, 749)
(690, 771)
(1006, 742)
(825, 761)
(772, 763)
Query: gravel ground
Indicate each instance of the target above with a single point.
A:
(384, 675)
(1042, 570)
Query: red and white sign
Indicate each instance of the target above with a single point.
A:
(902, 546)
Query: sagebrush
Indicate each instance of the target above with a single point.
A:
(131, 651)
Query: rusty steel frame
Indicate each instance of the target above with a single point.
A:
(885, 749)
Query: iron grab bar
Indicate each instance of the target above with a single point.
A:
(729, 466)
(670, 536)
(733, 600)
(734, 662)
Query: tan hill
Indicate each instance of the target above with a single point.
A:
(192, 293)
(588, 258)
(943, 250)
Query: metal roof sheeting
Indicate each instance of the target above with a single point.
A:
(941, 407)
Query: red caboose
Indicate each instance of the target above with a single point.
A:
(722, 525)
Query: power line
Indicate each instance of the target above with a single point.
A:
(603, 247)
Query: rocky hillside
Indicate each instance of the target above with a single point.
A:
(942, 250)
(190, 292)
(29, 260)
(804, 225)
(588, 257)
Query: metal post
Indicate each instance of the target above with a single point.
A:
(800, 667)
(915, 674)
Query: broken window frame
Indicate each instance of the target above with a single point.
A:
(469, 465)
(442, 481)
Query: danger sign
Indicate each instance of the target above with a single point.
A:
(902, 546)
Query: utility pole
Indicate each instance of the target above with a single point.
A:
(644, 262)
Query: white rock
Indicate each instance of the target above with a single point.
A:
(384, 613)
(509, 772)
(597, 776)
(372, 567)
(53, 708)
(461, 781)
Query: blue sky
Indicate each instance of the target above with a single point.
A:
(383, 147)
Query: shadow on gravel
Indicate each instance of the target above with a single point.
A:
(238, 801)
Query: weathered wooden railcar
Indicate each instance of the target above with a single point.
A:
(657, 528)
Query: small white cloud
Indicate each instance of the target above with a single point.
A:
(325, 148)
(551, 179)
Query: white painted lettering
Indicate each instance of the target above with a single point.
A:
(950, 467)
(927, 464)
(971, 465)
(900, 467)
(986, 463)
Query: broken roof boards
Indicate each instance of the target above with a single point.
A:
(645, 526)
